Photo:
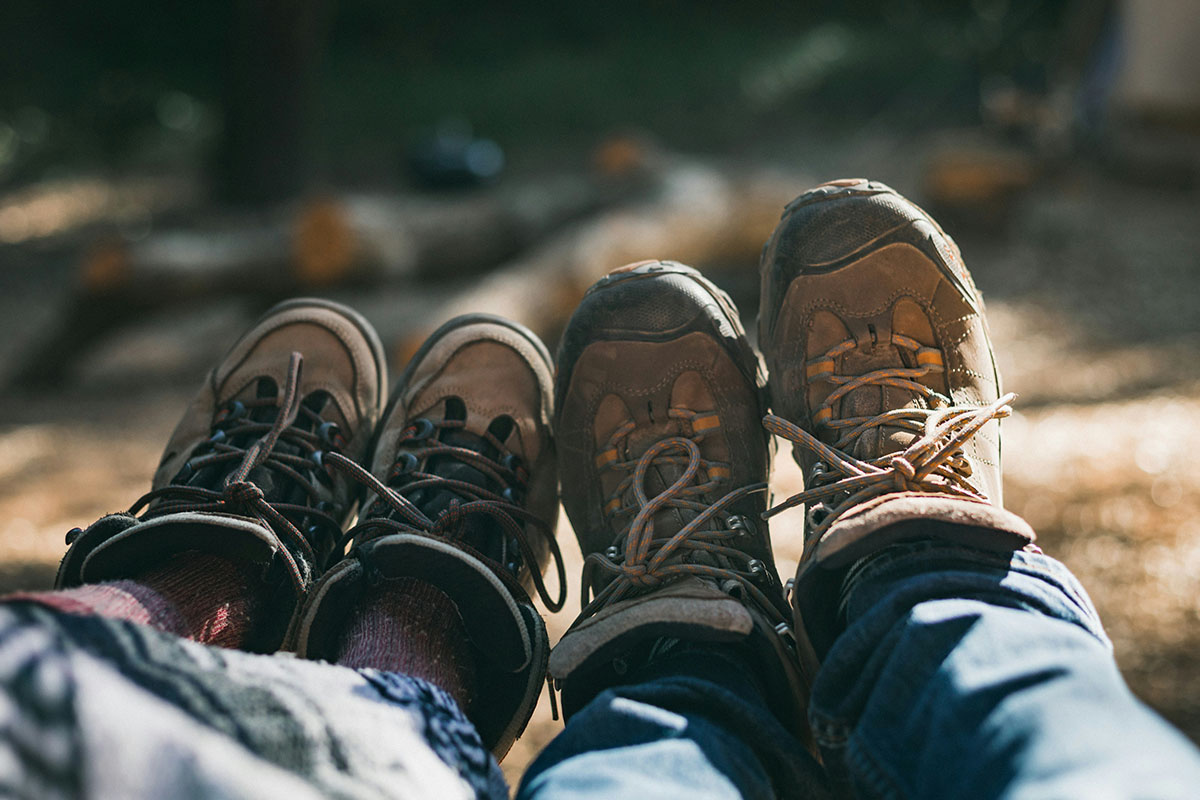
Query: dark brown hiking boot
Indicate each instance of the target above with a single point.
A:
(463, 495)
(883, 378)
(663, 464)
(243, 476)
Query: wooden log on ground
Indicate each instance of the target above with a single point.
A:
(332, 241)
(313, 247)
(700, 215)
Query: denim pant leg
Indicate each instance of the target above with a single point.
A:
(968, 674)
(693, 725)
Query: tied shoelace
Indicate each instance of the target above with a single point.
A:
(933, 462)
(399, 514)
(242, 496)
(640, 560)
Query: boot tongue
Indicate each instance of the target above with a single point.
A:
(482, 532)
(873, 400)
(436, 499)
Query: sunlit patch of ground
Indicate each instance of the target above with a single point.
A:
(1093, 324)
(1114, 492)
(1111, 484)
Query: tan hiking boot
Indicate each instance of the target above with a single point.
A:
(463, 495)
(243, 476)
(663, 464)
(883, 378)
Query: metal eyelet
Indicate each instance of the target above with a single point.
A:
(510, 461)
(515, 563)
(73, 534)
(217, 437)
(612, 553)
(327, 431)
(318, 458)
(405, 462)
(816, 510)
(757, 567)
(785, 632)
(743, 525)
(236, 410)
(509, 495)
(422, 429)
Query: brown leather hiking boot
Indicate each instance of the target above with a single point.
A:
(463, 495)
(663, 465)
(243, 475)
(883, 378)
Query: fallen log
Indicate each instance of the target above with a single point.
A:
(313, 246)
(700, 215)
(694, 212)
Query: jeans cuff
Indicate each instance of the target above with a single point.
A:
(931, 569)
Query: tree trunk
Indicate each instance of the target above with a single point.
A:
(270, 84)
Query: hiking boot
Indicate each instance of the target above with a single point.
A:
(664, 465)
(882, 376)
(243, 475)
(463, 495)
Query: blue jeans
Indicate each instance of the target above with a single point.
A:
(693, 724)
(960, 674)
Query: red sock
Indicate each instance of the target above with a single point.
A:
(409, 626)
(194, 595)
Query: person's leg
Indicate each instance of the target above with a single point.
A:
(964, 673)
(198, 596)
(244, 511)
(663, 463)
(105, 696)
(691, 723)
(456, 529)
(104, 708)
(958, 660)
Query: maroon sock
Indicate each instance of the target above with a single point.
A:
(409, 626)
(194, 595)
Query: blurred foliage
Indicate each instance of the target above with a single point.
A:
(129, 82)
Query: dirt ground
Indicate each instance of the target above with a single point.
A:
(1093, 291)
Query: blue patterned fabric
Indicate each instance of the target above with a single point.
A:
(109, 709)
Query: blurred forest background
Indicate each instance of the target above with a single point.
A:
(169, 170)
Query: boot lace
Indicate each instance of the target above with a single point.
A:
(392, 510)
(706, 546)
(933, 462)
(243, 444)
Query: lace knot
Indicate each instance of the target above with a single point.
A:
(639, 575)
(850, 481)
(245, 494)
(905, 471)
